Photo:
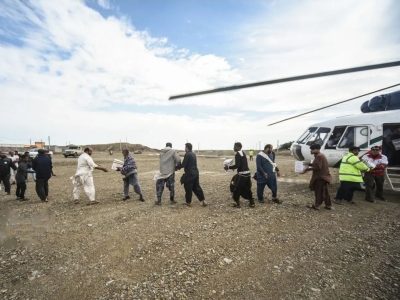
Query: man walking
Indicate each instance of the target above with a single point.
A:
(267, 171)
(84, 176)
(350, 175)
(30, 160)
(169, 162)
(241, 182)
(6, 165)
(14, 158)
(43, 167)
(375, 178)
(251, 154)
(129, 171)
(190, 178)
(21, 176)
(320, 178)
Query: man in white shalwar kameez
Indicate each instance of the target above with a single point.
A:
(14, 158)
(84, 177)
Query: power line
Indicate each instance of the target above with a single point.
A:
(337, 103)
(287, 79)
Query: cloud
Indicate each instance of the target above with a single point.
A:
(74, 73)
(104, 4)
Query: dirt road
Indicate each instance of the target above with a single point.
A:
(134, 250)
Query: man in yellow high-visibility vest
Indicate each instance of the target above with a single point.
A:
(350, 175)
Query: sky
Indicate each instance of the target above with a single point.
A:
(89, 72)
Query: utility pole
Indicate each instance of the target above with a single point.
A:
(49, 142)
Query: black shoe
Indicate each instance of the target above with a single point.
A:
(261, 201)
(276, 200)
(17, 198)
(126, 198)
(236, 204)
(380, 198)
(141, 199)
(23, 199)
(252, 205)
(157, 202)
(370, 200)
(8, 193)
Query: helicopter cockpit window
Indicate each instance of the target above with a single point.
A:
(335, 137)
(306, 135)
(319, 136)
(355, 136)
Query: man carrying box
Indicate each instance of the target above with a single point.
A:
(320, 178)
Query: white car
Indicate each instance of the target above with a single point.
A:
(34, 152)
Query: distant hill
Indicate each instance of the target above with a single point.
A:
(118, 146)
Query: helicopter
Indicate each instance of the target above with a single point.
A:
(377, 125)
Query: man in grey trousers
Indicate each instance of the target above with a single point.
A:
(129, 170)
(169, 162)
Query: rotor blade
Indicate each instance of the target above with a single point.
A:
(337, 103)
(287, 79)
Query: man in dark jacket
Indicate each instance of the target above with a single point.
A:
(266, 173)
(129, 171)
(21, 177)
(6, 165)
(241, 182)
(43, 167)
(190, 179)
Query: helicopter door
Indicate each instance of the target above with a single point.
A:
(391, 143)
(355, 136)
(391, 148)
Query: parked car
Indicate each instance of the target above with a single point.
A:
(33, 153)
(73, 150)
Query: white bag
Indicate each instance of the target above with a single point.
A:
(117, 164)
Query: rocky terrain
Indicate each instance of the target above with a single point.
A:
(134, 250)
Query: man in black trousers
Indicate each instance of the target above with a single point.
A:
(6, 165)
(43, 167)
(241, 182)
(190, 179)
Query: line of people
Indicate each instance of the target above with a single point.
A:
(22, 165)
(370, 169)
(169, 163)
(353, 171)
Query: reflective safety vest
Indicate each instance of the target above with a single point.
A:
(351, 167)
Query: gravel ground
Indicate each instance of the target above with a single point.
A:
(135, 250)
